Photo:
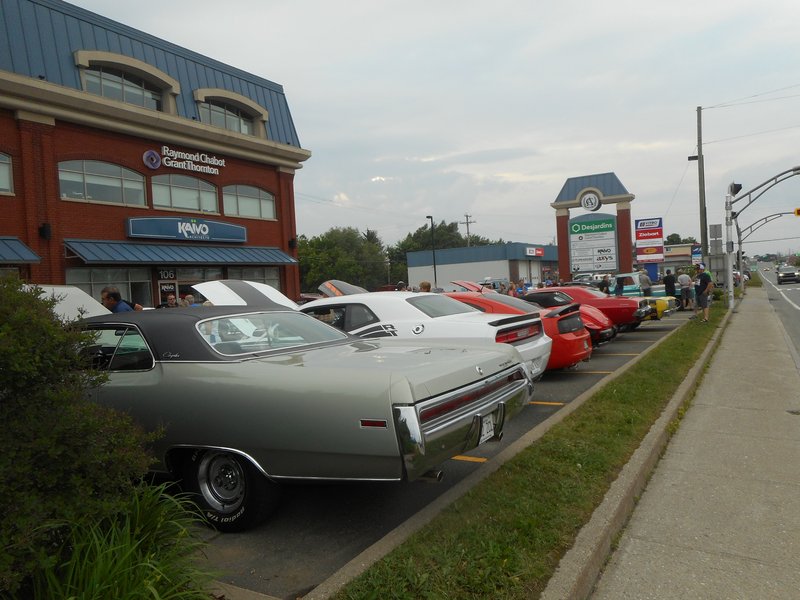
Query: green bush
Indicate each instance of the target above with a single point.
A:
(64, 458)
(147, 551)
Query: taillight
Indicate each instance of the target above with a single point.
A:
(509, 336)
(458, 401)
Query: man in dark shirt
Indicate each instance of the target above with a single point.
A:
(669, 284)
(702, 291)
(114, 302)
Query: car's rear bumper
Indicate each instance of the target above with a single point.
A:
(425, 445)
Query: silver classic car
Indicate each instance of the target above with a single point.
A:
(250, 397)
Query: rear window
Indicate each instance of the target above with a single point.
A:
(435, 305)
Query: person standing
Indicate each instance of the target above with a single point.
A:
(669, 284)
(424, 286)
(702, 292)
(645, 283)
(604, 285)
(113, 301)
(685, 283)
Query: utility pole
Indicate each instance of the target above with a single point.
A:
(701, 180)
(467, 222)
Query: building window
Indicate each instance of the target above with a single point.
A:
(184, 193)
(226, 116)
(118, 85)
(270, 275)
(248, 201)
(6, 183)
(134, 284)
(96, 181)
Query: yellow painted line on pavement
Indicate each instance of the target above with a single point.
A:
(542, 403)
(478, 459)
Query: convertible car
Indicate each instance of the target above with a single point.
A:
(571, 341)
(427, 316)
(249, 397)
(626, 313)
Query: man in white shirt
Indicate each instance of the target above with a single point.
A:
(685, 283)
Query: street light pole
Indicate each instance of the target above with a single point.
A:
(433, 251)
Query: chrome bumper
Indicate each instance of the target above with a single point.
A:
(426, 445)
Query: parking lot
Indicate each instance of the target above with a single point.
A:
(320, 528)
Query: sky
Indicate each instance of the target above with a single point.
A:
(479, 112)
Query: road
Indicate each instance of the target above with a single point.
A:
(785, 299)
(317, 529)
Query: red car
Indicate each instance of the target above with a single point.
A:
(626, 312)
(601, 328)
(563, 325)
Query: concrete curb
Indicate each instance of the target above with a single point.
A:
(580, 567)
(400, 534)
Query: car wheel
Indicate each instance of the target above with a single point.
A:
(231, 493)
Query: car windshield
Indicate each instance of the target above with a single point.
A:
(435, 305)
(260, 332)
(595, 292)
(787, 269)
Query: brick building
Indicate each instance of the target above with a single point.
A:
(127, 160)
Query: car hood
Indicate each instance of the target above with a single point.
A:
(235, 292)
(72, 302)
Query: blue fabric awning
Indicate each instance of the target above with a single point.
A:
(94, 252)
(13, 251)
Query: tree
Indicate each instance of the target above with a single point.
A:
(675, 238)
(342, 253)
(64, 457)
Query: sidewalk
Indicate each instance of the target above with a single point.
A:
(720, 517)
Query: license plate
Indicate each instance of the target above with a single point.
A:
(487, 428)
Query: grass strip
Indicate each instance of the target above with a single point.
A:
(505, 537)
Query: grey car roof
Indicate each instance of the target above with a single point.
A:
(171, 332)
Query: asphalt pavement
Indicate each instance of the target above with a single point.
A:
(720, 514)
(712, 511)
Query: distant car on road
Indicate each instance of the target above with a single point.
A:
(788, 274)
(249, 397)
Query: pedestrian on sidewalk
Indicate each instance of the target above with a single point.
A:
(702, 292)
(686, 289)
(669, 284)
(645, 283)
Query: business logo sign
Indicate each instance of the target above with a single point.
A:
(198, 162)
(534, 251)
(590, 201)
(593, 244)
(649, 235)
(185, 228)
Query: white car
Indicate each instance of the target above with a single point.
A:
(427, 316)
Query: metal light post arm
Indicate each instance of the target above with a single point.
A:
(751, 229)
(751, 196)
(766, 185)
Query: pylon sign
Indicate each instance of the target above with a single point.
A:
(649, 240)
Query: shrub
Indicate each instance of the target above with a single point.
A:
(64, 458)
(147, 551)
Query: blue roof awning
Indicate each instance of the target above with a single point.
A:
(13, 251)
(94, 252)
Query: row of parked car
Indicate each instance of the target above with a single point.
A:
(386, 386)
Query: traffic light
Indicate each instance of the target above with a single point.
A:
(797, 212)
(734, 188)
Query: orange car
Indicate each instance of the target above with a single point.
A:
(571, 341)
